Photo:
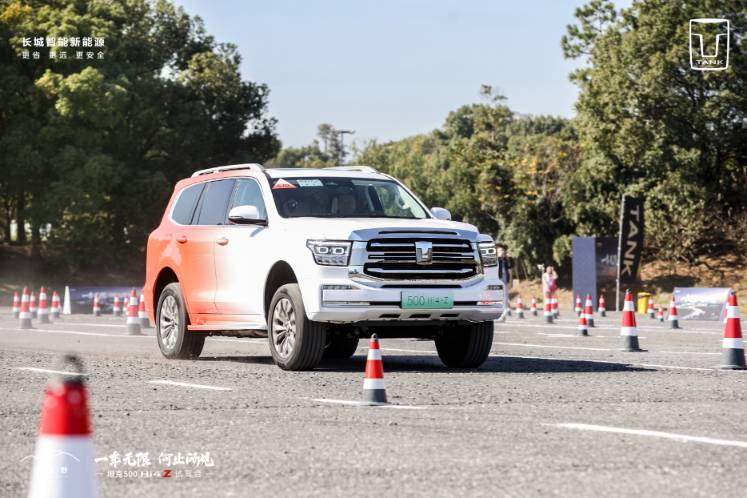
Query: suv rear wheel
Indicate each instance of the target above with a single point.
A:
(174, 340)
(465, 346)
(296, 343)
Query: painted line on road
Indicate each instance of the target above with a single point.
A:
(521, 344)
(683, 438)
(598, 326)
(606, 362)
(90, 324)
(688, 352)
(405, 350)
(363, 403)
(187, 384)
(75, 332)
(49, 371)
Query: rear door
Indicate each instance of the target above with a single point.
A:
(198, 246)
(242, 253)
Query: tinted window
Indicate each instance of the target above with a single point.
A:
(249, 193)
(215, 203)
(185, 204)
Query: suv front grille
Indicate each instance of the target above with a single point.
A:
(395, 259)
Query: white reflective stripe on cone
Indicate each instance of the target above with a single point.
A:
(75, 455)
(133, 319)
(732, 312)
(628, 331)
(731, 343)
(672, 317)
(628, 306)
(374, 354)
(373, 383)
(25, 314)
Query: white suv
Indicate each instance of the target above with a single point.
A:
(315, 259)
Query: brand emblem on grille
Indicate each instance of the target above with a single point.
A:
(423, 252)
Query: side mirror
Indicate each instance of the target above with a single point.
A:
(246, 215)
(441, 213)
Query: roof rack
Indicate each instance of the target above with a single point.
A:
(230, 167)
(362, 169)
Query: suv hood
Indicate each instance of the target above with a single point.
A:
(367, 228)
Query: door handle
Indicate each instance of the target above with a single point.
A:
(181, 239)
(222, 241)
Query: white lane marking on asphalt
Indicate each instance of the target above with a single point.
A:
(557, 335)
(407, 350)
(673, 367)
(187, 384)
(46, 370)
(90, 324)
(363, 403)
(612, 327)
(548, 346)
(687, 352)
(683, 438)
(75, 332)
(648, 365)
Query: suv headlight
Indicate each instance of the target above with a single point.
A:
(488, 254)
(329, 252)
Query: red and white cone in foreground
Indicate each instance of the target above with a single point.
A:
(589, 311)
(732, 346)
(555, 308)
(650, 308)
(64, 458)
(32, 306)
(25, 313)
(133, 322)
(96, 305)
(116, 306)
(660, 314)
(673, 321)
(578, 309)
(16, 305)
(602, 308)
(374, 391)
(43, 308)
(628, 330)
(519, 307)
(533, 306)
(547, 308)
(141, 314)
(583, 328)
(55, 310)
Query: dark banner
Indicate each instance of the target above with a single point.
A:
(630, 244)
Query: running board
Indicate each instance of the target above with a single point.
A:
(233, 326)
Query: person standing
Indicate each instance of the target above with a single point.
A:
(504, 265)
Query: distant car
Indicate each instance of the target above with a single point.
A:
(315, 259)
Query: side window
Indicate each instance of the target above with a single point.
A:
(185, 204)
(248, 192)
(214, 204)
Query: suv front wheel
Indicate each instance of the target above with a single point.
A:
(174, 339)
(296, 343)
(465, 346)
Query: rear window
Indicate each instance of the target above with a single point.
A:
(185, 204)
(215, 203)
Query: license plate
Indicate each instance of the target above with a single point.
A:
(427, 300)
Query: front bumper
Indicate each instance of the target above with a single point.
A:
(338, 297)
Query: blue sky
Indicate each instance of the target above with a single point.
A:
(391, 69)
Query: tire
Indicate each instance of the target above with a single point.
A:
(341, 346)
(172, 318)
(296, 343)
(465, 346)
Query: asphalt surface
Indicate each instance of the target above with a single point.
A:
(550, 413)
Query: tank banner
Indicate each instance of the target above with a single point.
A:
(700, 303)
(81, 298)
(630, 244)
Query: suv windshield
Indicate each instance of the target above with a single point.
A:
(326, 197)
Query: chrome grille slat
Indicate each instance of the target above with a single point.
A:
(394, 258)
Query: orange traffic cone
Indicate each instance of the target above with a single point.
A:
(519, 307)
(673, 321)
(583, 328)
(578, 309)
(628, 330)
(533, 306)
(732, 346)
(547, 308)
(589, 311)
(64, 458)
(116, 307)
(25, 313)
(133, 322)
(554, 302)
(650, 309)
(55, 310)
(602, 308)
(96, 305)
(32, 306)
(16, 305)
(374, 391)
(141, 313)
(43, 309)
